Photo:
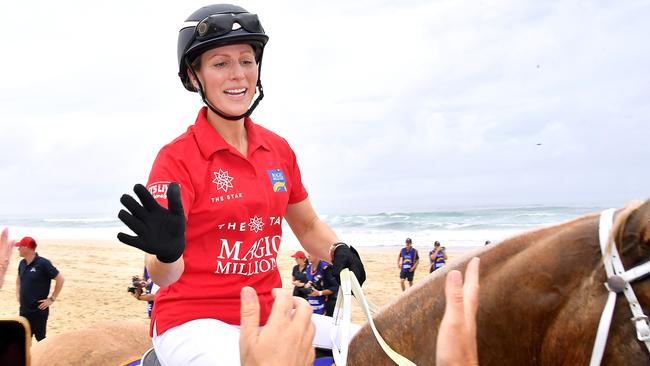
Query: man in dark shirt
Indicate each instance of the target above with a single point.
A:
(35, 275)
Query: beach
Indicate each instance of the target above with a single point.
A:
(98, 272)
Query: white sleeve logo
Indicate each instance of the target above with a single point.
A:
(158, 189)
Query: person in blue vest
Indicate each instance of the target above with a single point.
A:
(330, 290)
(323, 285)
(437, 256)
(407, 262)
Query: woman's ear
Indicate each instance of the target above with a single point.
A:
(192, 78)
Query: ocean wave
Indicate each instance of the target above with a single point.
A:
(83, 220)
(468, 224)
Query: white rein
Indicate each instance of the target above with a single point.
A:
(342, 319)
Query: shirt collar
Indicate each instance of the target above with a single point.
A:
(210, 141)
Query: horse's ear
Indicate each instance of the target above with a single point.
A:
(634, 235)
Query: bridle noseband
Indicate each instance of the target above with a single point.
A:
(618, 280)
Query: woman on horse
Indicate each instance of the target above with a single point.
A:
(210, 218)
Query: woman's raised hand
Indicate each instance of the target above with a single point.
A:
(159, 231)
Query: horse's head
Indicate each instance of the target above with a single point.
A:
(579, 315)
(629, 337)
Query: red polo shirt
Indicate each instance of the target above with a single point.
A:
(234, 206)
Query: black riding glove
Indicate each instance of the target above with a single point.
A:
(159, 231)
(345, 256)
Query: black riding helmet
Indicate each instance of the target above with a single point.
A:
(214, 26)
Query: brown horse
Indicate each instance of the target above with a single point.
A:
(105, 343)
(541, 298)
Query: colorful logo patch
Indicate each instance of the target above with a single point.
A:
(278, 182)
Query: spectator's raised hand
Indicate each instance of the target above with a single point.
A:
(287, 337)
(6, 246)
(456, 345)
(159, 231)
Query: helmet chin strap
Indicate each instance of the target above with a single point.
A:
(222, 114)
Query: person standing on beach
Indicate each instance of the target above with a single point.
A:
(210, 218)
(299, 275)
(35, 275)
(437, 256)
(407, 262)
(315, 272)
(324, 288)
(147, 292)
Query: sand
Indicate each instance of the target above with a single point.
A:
(97, 274)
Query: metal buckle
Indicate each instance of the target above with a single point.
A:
(642, 329)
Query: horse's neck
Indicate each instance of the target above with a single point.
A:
(525, 282)
(528, 287)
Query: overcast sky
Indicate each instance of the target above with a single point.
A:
(390, 105)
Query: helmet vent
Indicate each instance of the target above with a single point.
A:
(202, 28)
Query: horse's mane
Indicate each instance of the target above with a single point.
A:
(617, 228)
(619, 225)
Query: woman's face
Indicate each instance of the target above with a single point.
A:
(229, 76)
(300, 261)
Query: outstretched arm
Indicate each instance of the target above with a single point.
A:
(321, 241)
(5, 254)
(314, 235)
(456, 345)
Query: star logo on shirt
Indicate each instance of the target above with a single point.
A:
(222, 180)
(256, 224)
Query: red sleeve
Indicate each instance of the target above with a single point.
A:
(169, 167)
(298, 192)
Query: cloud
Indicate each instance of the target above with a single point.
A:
(388, 105)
